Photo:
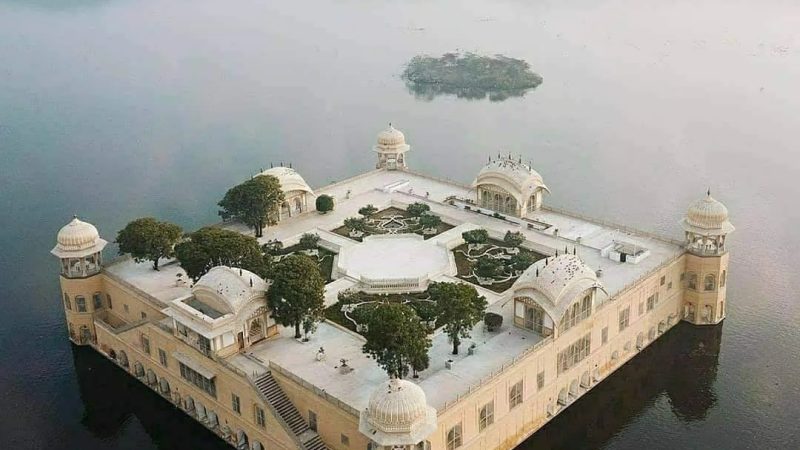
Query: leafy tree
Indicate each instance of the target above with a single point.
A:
(254, 202)
(487, 267)
(272, 247)
(478, 236)
(324, 203)
(368, 210)
(355, 224)
(309, 241)
(396, 339)
(417, 209)
(513, 238)
(459, 308)
(429, 221)
(296, 294)
(210, 246)
(522, 261)
(148, 239)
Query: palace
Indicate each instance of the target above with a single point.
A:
(592, 295)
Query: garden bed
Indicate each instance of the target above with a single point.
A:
(324, 258)
(364, 303)
(466, 261)
(391, 221)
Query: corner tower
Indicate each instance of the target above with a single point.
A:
(79, 248)
(706, 228)
(391, 149)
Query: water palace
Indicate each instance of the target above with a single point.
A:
(597, 294)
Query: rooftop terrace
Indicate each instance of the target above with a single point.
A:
(397, 188)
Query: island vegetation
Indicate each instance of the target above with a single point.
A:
(469, 76)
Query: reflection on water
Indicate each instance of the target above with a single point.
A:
(429, 91)
(682, 365)
(111, 397)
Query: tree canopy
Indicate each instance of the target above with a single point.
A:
(522, 260)
(513, 238)
(417, 209)
(309, 241)
(254, 202)
(148, 239)
(324, 203)
(210, 246)
(355, 223)
(478, 236)
(296, 294)
(429, 220)
(488, 267)
(397, 339)
(367, 210)
(459, 308)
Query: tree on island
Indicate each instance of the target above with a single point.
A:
(210, 247)
(148, 239)
(296, 294)
(355, 224)
(513, 238)
(397, 339)
(308, 241)
(254, 202)
(476, 237)
(459, 309)
(417, 209)
(429, 221)
(367, 210)
(324, 203)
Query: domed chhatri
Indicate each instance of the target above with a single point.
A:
(77, 239)
(297, 193)
(79, 246)
(509, 186)
(706, 225)
(398, 414)
(391, 149)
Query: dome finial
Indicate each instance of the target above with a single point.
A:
(708, 192)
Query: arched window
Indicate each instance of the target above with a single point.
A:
(710, 282)
(577, 312)
(67, 303)
(123, 358)
(98, 301)
(163, 385)
(722, 278)
(86, 334)
(692, 283)
(80, 303)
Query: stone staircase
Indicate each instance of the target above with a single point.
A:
(274, 395)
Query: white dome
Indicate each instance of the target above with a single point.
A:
(234, 287)
(78, 238)
(396, 406)
(707, 217)
(77, 235)
(514, 176)
(289, 179)
(707, 213)
(391, 140)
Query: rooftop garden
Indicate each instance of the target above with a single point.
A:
(416, 218)
(491, 263)
(469, 76)
(354, 308)
(309, 246)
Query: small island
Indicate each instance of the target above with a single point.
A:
(469, 76)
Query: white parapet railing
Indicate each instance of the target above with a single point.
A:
(393, 284)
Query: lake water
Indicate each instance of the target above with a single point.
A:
(118, 109)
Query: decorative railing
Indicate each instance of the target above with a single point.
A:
(319, 392)
(638, 280)
(398, 284)
(506, 366)
(614, 225)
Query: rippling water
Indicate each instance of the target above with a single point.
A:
(117, 109)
